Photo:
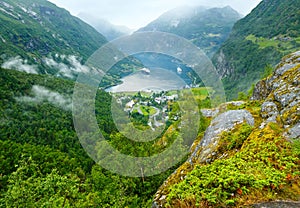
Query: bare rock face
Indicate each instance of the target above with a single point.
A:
(224, 67)
(211, 113)
(225, 122)
(294, 132)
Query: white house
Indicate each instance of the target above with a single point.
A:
(130, 104)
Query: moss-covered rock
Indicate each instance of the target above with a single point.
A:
(282, 88)
(247, 155)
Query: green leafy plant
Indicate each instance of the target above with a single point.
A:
(264, 163)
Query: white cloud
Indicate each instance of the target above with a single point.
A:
(69, 70)
(137, 13)
(19, 64)
(41, 94)
(74, 67)
(77, 66)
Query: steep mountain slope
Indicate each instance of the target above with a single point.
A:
(250, 152)
(36, 28)
(270, 31)
(104, 27)
(38, 37)
(207, 28)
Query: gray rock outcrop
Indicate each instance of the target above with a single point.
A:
(211, 113)
(222, 123)
(294, 132)
(281, 93)
(269, 112)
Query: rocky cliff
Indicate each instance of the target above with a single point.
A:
(249, 155)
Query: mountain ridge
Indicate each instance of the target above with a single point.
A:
(257, 41)
(205, 27)
(39, 37)
(41, 27)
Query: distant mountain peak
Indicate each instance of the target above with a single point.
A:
(109, 30)
(205, 27)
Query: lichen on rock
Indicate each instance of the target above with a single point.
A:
(282, 89)
(269, 112)
(294, 132)
(222, 123)
(211, 113)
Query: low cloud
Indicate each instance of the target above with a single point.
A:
(68, 66)
(42, 94)
(73, 68)
(136, 13)
(17, 63)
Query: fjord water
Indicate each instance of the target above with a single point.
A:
(157, 80)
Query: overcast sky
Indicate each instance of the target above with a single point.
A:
(138, 13)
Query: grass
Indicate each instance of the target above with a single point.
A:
(172, 92)
(147, 110)
(282, 46)
(199, 93)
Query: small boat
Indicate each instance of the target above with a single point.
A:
(145, 70)
(179, 70)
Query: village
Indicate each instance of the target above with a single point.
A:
(148, 108)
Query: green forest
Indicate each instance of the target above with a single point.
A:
(42, 161)
(44, 165)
